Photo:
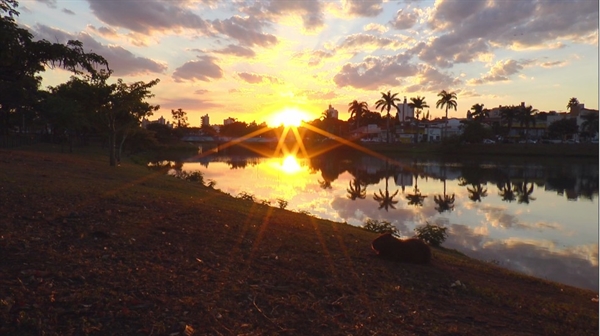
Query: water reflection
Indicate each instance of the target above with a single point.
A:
(540, 218)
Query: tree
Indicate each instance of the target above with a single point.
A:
(418, 104)
(180, 118)
(447, 100)
(385, 103)
(444, 202)
(589, 126)
(508, 115)
(524, 190)
(357, 110)
(479, 113)
(563, 128)
(573, 105)
(21, 58)
(507, 191)
(527, 116)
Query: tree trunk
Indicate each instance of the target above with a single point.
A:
(112, 143)
(388, 126)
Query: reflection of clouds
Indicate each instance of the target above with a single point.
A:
(355, 212)
(498, 217)
(575, 265)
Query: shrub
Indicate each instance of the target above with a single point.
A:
(433, 235)
(282, 203)
(246, 196)
(374, 225)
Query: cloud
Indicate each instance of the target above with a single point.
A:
(430, 79)
(104, 31)
(318, 95)
(405, 19)
(311, 12)
(247, 31)
(255, 79)
(147, 17)
(370, 8)
(202, 69)
(187, 104)
(366, 41)
(553, 64)
(500, 72)
(375, 27)
(49, 3)
(314, 57)
(375, 72)
(468, 29)
(120, 60)
(201, 91)
(68, 11)
(235, 50)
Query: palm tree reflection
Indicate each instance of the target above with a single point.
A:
(507, 191)
(476, 192)
(416, 198)
(524, 190)
(356, 189)
(444, 202)
(386, 200)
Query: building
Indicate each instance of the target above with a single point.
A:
(204, 121)
(404, 111)
(331, 112)
(161, 121)
(228, 121)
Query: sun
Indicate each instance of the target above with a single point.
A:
(288, 117)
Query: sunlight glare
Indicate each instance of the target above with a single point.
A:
(290, 165)
(288, 117)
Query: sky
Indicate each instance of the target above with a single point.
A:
(250, 60)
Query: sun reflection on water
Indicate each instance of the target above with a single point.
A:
(290, 165)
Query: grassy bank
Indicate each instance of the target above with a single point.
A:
(90, 249)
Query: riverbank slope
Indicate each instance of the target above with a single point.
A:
(87, 249)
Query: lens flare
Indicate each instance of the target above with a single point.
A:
(290, 165)
(288, 117)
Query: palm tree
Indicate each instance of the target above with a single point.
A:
(573, 104)
(527, 116)
(524, 190)
(507, 191)
(447, 100)
(357, 110)
(386, 102)
(509, 114)
(418, 104)
(479, 113)
(356, 189)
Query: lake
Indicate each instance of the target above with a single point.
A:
(535, 216)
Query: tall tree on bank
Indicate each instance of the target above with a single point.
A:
(22, 58)
(385, 103)
(447, 100)
(526, 117)
(357, 110)
(508, 115)
(573, 105)
(180, 118)
(418, 104)
(479, 113)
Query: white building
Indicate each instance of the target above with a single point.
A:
(228, 121)
(204, 120)
(333, 113)
(405, 112)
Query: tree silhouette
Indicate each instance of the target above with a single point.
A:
(508, 115)
(573, 104)
(447, 100)
(386, 200)
(507, 191)
(479, 113)
(527, 116)
(356, 189)
(524, 190)
(418, 104)
(385, 103)
(357, 110)
(476, 192)
(416, 198)
(444, 202)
